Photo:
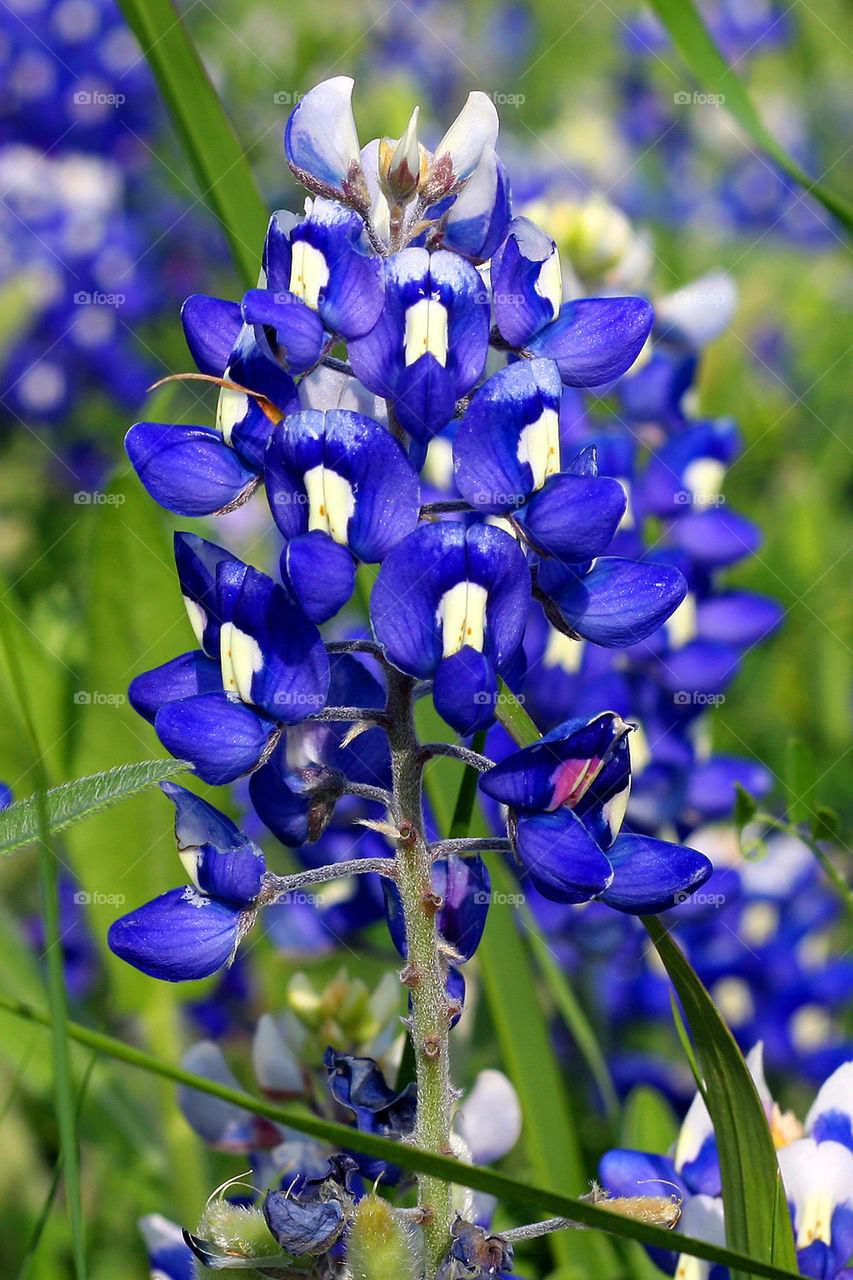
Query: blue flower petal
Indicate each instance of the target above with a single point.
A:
(201, 567)
(309, 1228)
(525, 279)
(465, 691)
(503, 449)
(320, 572)
(182, 677)
(299, 331)
(652, 875)
(223, 738)
(639, 1173)
(180, 936)
(574, 517)
(594, 340)
(211, 328)
(320, 140)
(620, 602)
(223, 861)
(278, 660)
(560, 857)
(188, 470)
(420, 570)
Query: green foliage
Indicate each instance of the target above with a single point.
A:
(757, 1218)
(74, 801)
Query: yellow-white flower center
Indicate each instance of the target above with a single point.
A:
(461, 615)
(426, 331)
(331, 502)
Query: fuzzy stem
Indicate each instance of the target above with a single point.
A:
(426, 968)
(470, 844)
(278, 887)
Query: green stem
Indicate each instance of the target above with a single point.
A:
(425, 973)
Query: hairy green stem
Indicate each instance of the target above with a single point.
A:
(425, 973)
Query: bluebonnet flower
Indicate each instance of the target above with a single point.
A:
(193, 931)
(261, 665)
(168, 1254)
(566, 797)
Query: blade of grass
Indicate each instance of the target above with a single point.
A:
(757, 1219)
(216, 156)
(56, 991)
(539, 1201)
(41, 1221)
(574, 1016)
(710, 69)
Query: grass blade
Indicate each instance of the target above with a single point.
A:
(757, 1219)
(66, 1111)
(710, 69)
(216, 156)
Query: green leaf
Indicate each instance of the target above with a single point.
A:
(573, 1014)
(757, 1218)
(63, 1083)
(710, 69)
(514, 718)
(648, 1121)
(215, 155)
(799, 780)
(538, 1201)
(825, 824)
(746, 807)
(74, 801)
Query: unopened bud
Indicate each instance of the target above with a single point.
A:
(402, 164)
(381, 1244)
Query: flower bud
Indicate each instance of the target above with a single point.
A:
(381, 1244)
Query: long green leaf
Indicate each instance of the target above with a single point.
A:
(757, 1218)
(63, 1083)
(710, 69)
(74, 801)
(217, 158)
(539, 1201)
